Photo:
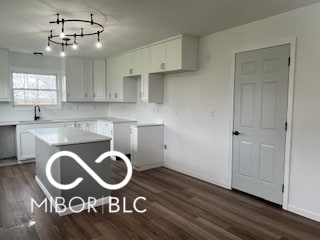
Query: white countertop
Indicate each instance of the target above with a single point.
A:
(75, 119)
(67, 136)
(147, 125)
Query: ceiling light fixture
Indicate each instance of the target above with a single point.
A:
(63, 36)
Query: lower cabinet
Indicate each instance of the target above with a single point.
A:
(119, 132)
(26, 141)
(147, 146)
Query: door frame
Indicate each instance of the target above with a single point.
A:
(256, 46)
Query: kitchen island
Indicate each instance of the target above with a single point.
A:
(65, 170)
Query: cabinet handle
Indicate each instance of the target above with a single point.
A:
(141, 94)
(131, 71)
(94, 95)
(109, 95)
(116, 95)
(85, 95)
(68, 94)
(162, 66)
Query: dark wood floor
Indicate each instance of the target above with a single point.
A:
(178, 207)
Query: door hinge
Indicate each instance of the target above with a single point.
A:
(286, 126)
(283, 188)
(289, 61)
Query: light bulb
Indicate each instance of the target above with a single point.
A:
(98, 44)
(48, 48)
(62, 54)
(62, 35)
(75, 46)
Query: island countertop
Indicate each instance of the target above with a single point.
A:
(67, 136)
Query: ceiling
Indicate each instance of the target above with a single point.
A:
(24, 24)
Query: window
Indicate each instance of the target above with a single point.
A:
(34, 89)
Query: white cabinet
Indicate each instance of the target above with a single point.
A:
(25, 140)
(151, 84)
(4, 76)
(90, 126)
(147, 146)
(99, 79)
(79, 79)
(119, 87)
(119, 132)
(176, 54)
(133, 63)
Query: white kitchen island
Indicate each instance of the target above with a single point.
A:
(88, 146)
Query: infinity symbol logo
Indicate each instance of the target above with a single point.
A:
(88, 170)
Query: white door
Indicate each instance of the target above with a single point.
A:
(260, 113)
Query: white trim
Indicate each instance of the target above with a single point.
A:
(99, 202)
(303, 212)
(272, 43)
(197, 176)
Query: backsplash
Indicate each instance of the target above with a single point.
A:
(67, 110)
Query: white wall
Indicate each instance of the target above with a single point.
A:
(67, 110)
(197, 109)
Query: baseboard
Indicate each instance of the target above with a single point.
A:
(147, 167)
(212, 181)
(304, 213)
(75, 208)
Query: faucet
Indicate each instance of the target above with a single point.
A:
(36, 117)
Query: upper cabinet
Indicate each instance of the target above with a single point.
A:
(176, 54)
(132, 63)
(119, 87)
(116, 79)
(4, 76)
(76, 79)
(85, 80)
(99, 79)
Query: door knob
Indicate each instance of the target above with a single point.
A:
(236, 133)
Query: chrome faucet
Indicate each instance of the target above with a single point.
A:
(36, 117)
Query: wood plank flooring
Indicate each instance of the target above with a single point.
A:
(178, 207)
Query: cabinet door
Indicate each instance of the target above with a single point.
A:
(136, 62)
(88, 126)
(4, 76)
(88, 79)
(99, 76)
(75, 79)
(114, 78)
(26, 146)
(157, 58)
(110, 76)
(173, 55)
(69, 124)
(134, 146)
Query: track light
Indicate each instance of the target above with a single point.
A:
(75, 44)
(62, 54)
(48, 48)
(98, 44)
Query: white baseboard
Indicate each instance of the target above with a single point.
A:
(304, 213)
(177, 169)
(146, 167)
(75, 208)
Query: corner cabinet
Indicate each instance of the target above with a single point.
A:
(4, 76)
(176, 54)
(119, 87)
